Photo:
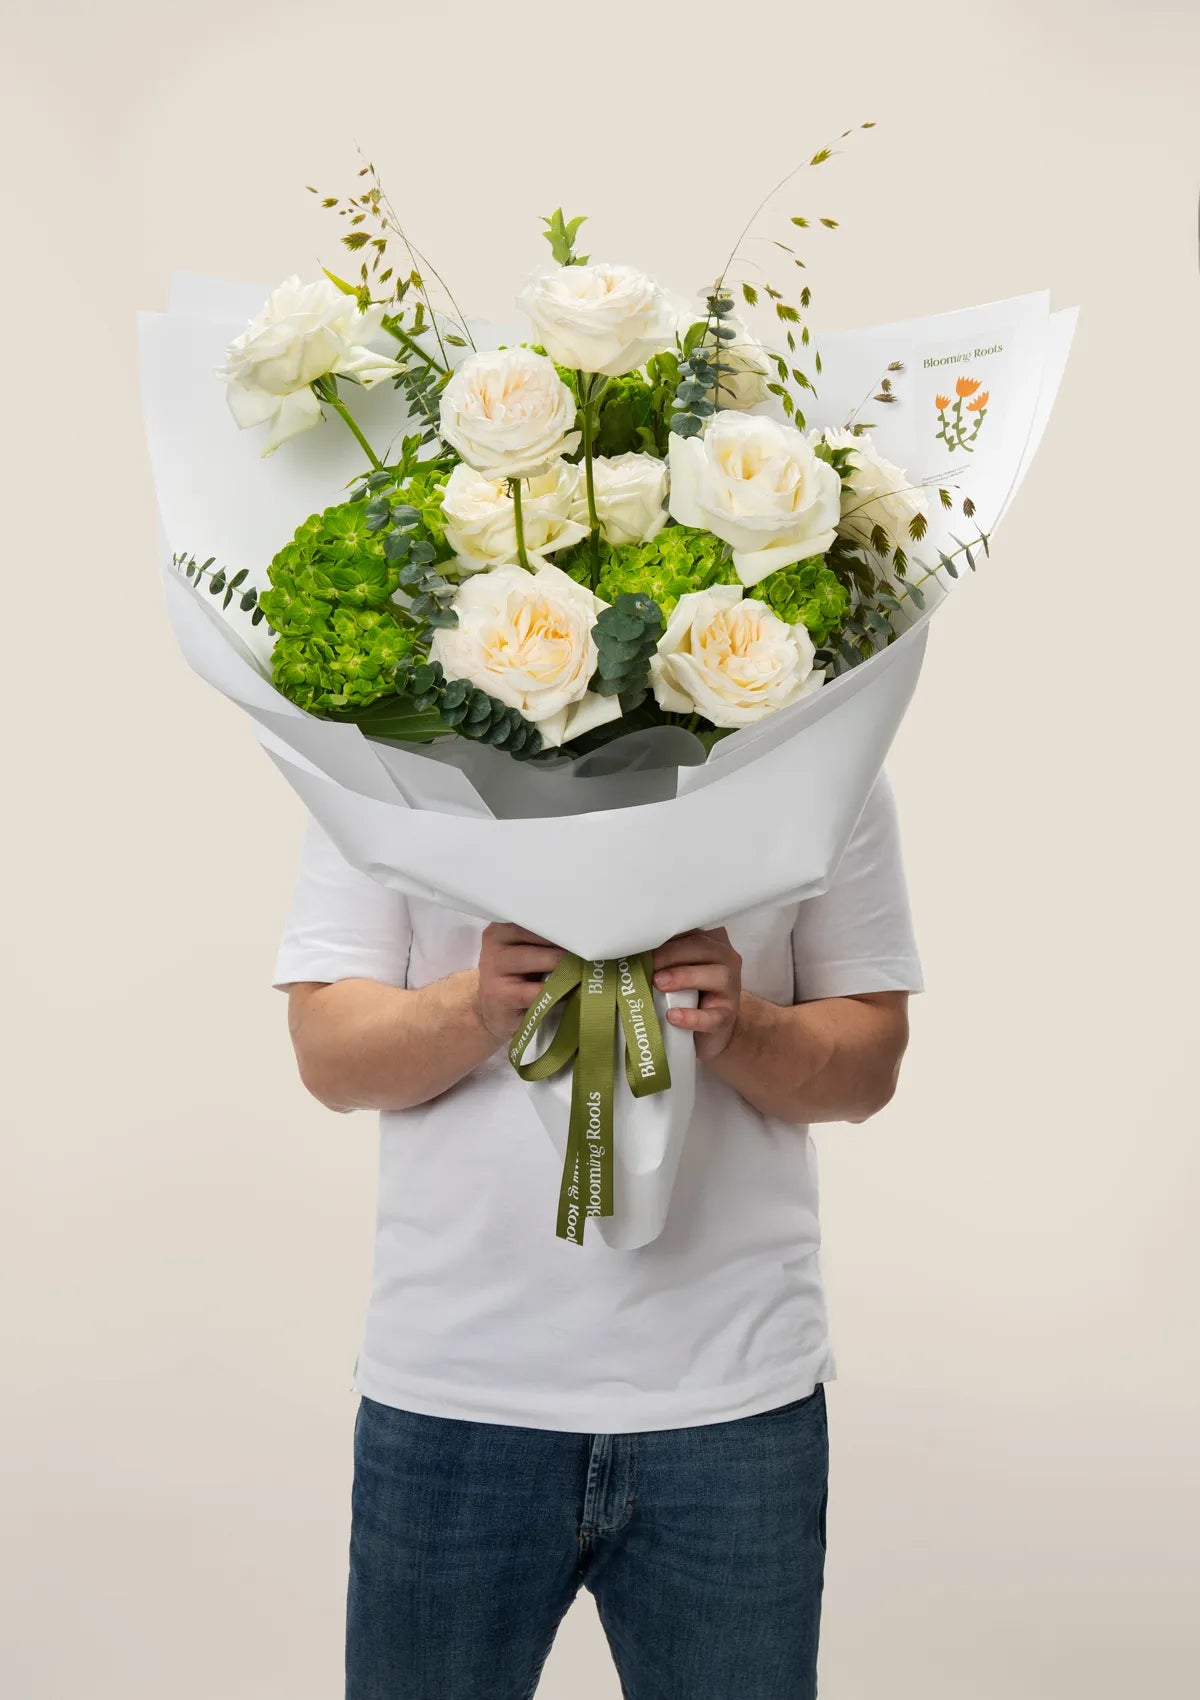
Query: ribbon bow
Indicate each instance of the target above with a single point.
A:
(594, 995)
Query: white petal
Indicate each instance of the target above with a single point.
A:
(365, 365)
(298, 412)
(685, 464)
(591, 710)
(666, 693)
(751, 565)
(250, 405)
(553, 728)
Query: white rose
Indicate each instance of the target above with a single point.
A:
(730, 658)
(744, 369)
(480, 516)
(508, 413)
(877, 493)
(758, 485)
(607, 319)
(631, 497)
(526, 638)
(304, 332)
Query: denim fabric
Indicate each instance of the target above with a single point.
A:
(703, 1547)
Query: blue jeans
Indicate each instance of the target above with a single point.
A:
(703, 1547)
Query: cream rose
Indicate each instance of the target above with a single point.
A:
(606, 319)
(744, 372)
(526, 638)
(508, 413)
(758, 485)
(631, 497)
(731, 659)
(304, 332)
(480, 517)
(876, 493)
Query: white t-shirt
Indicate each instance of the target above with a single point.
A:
(476, 1310)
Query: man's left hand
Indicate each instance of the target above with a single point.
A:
(705, 962)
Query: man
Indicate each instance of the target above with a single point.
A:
(536, 1416)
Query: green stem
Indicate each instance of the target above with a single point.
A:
(514, 485)
(587, 421)
(414, 347)
(339, 406)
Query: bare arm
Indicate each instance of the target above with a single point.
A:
(836, 1059)
(361, 1045)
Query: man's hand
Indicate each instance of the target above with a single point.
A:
(512, 966)
(708, 964)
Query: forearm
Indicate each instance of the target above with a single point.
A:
(836, 1059)
(365, 1046)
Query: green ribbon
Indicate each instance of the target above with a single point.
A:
(597, 999)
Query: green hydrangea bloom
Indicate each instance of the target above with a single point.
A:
(330, 602)
(807, 594)
(679, 559)
(347, 661)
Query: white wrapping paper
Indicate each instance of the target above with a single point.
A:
(607, 854)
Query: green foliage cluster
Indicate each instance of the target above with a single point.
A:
(634, 411)
(626, 636)
(679, 559)
(464, 709)
(561, 232)
(807, 594)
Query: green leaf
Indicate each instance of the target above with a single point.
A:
(561, 236)
(340, 282)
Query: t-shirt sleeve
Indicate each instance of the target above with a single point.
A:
(342, 925)
(858, 936)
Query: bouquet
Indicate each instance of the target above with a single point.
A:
(602, 623)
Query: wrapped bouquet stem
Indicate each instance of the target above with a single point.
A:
(588, 626)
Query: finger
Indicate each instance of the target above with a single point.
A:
(690, 947)
(527, 959)
(696, 977)
(706, 1019)
(510, 991)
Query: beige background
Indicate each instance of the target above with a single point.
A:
(1011, 1247)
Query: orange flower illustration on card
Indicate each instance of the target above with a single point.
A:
(957, 432)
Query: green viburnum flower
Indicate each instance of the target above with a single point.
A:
(679, 559)
(806, 594)
(346, 662)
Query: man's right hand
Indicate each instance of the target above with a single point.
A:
(512, 966)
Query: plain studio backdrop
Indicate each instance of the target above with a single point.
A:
(1011, 1246)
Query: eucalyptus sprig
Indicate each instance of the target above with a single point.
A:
(223, 584)
(626, 636)
(399, 523)
(700, 367)
(465, 709)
